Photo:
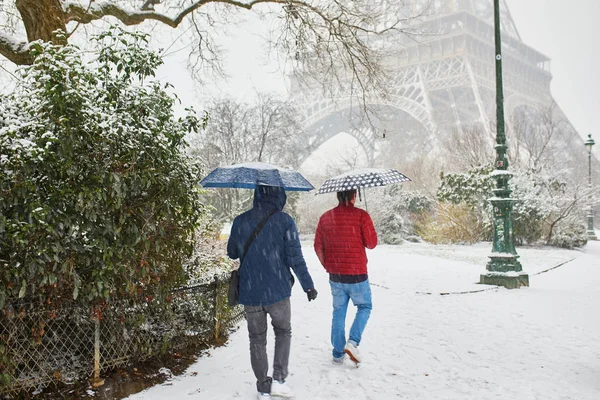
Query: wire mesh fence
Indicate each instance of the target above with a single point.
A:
(69, 344)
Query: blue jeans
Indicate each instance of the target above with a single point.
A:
(360, 293)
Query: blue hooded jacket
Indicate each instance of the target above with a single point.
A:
(265, 276)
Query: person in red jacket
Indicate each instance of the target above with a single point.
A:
(342, 235)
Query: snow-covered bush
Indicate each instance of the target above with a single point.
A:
(208, 258)
(544, 204)
(473, 187)
(464, 204)
(452, 223)
(529, 209)
(394, 212)
(569, 236)
(98, 199)
(561, 203)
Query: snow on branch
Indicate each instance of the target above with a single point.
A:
(14, 50)
(336, 20)
(86, 14)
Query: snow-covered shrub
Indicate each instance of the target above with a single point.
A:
(98, 199)
(208, 258)
(451, 223)
(528, 210)
(469, 192)
(473, 187)
(394, 212)
(569, 236)
(544, 204)
(555, 205)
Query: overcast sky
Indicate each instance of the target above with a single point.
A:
(569, 33)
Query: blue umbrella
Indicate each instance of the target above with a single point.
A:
(249, 175)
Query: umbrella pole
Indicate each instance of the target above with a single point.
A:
(364, 194)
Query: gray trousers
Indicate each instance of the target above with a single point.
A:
(256, 317)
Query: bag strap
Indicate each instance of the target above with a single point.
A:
(256, 232)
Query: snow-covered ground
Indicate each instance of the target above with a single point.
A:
(541, 342)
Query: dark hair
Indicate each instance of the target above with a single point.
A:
(346, 196)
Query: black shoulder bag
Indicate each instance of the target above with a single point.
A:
(233, 294)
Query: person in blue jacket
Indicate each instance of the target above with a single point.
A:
(266, 283)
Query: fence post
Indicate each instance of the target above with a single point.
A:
(97, 381)
(216, 305)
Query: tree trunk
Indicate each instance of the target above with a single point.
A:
(41, 18)
(551, 230)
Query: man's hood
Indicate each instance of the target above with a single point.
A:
(269, 197)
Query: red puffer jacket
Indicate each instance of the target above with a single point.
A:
(342, 235)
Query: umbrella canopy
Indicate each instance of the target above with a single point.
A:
(249, 175)
(361, 178)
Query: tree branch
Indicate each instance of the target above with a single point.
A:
(85, 15)
(76, 12)
(15, 50)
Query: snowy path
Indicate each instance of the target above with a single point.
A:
(541, 342)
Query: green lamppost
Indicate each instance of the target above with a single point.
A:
(591, 234)
(504, 268)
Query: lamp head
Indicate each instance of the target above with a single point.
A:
(589, 143)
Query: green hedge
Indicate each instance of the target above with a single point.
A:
(98, 199)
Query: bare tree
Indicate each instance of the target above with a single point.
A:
(558, 202)
(469, 148)
(335, 38)
(278, 131)
(238, 132)
(543, 137)
(565, 203)
(349, 158)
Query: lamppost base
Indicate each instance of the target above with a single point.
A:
(591, 235)
(510, 280)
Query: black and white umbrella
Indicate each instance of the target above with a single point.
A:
(362, 178)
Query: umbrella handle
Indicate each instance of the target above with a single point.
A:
(360, 199)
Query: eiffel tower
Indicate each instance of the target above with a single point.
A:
(441, 82)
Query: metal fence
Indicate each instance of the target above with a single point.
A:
(45, 346)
